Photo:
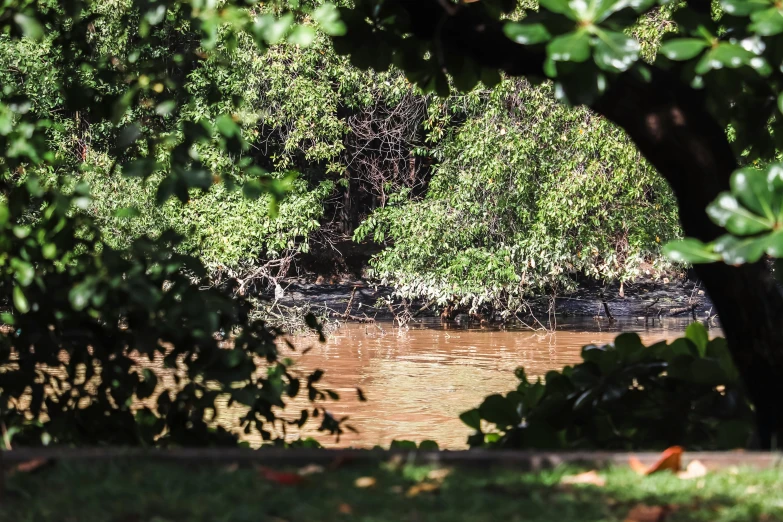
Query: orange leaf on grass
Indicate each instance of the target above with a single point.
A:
(31, 466)
(670, 460)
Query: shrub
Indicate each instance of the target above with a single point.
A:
(624, 396)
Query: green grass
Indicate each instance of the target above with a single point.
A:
(124, 491)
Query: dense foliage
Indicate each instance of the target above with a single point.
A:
(482, 170)
(528, 196)
(115, 341)
(625, 396)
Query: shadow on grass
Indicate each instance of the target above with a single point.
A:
(127, 491)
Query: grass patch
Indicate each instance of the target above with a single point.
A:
(127, 491)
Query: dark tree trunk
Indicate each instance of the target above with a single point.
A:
(676, 134)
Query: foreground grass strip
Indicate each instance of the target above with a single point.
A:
(128, 491)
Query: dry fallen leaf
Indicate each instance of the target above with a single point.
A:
(645, 513)
(31, 466)
(365, 482)
(439, 474)
(695, 469)
(345, 509)
(670, 460)
(588, 477)
(311, 469)
(636, 465)
(424, 487)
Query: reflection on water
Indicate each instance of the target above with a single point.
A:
(418, 380)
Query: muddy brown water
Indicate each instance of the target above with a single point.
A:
(418, 380)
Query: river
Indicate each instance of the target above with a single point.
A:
(418, 380)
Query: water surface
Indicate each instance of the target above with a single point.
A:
(419, 379)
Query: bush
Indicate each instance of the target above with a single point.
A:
(528, 196)
(122, 347)
(624, 396)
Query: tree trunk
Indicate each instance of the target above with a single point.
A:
(676, 134)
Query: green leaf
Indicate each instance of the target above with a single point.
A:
(628, 344)
(277, 29)
(49, 251)
(571, 47)
(526, 34)
(708, 372)
(428, 445)
(559, 6)
(20, 300)
(139, 168)
(614, 51)
(698, 336)
(165, 108)
(128, 136)
(500, 411)
(302, 35)
(200, 178)
(727, 212)
(165, 190)
(690, 251)
(718, 349)
(724, 55)
(23, 271)
(328, 18)
(768, 22)
(403, 445)
(471, 418)
(31, 27)
(80, 294)
(752, 189)
(227, 126)
(600, 10)
(774, 244)
(743, 7)
(736, 251)
(683, 48)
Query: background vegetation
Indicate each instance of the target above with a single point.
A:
(484, 197)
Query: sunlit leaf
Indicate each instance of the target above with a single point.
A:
(690, 251)
(526, 34)
(683, 48)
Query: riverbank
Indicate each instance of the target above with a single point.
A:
(130, 489)
(362, 299)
